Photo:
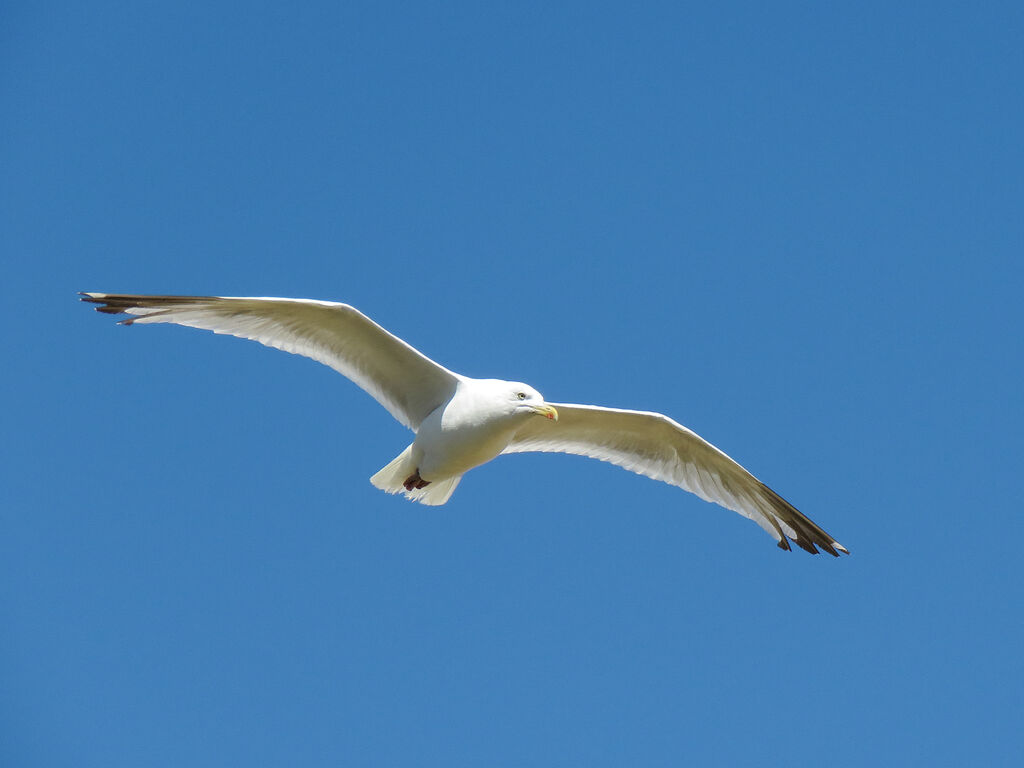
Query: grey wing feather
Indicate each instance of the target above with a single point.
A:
(654, 445)
(406, 382)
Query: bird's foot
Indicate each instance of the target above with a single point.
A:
(415, 481)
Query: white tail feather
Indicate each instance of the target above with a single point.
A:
(391, 479)
(435, 494)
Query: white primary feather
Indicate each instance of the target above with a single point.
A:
(654, 445)
(402, 379)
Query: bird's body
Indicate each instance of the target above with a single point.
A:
(472, 428)
(475, 425)
(462, 422)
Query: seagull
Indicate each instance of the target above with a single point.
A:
(462, 422)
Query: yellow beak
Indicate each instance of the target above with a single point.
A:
(546, 411)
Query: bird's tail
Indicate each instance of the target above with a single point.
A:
(393, 476)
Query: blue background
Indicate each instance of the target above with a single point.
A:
(794, 227)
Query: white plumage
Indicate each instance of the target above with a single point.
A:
(461, 422)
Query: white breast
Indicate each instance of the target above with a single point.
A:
(467, 431)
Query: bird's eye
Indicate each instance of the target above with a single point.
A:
(521, 395)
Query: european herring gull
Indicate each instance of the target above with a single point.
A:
(462, 422)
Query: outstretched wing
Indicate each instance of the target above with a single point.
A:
(654, 445)
(403, 380)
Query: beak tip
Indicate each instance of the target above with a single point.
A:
(547, 411)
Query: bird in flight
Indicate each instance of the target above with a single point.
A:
(462, 422)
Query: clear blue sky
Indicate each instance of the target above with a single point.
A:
(794, 227)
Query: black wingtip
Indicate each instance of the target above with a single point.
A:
(110, 303)
(833, 549)
(809, 536)
(98, 298)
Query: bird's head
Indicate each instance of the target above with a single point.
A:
(526, 400)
